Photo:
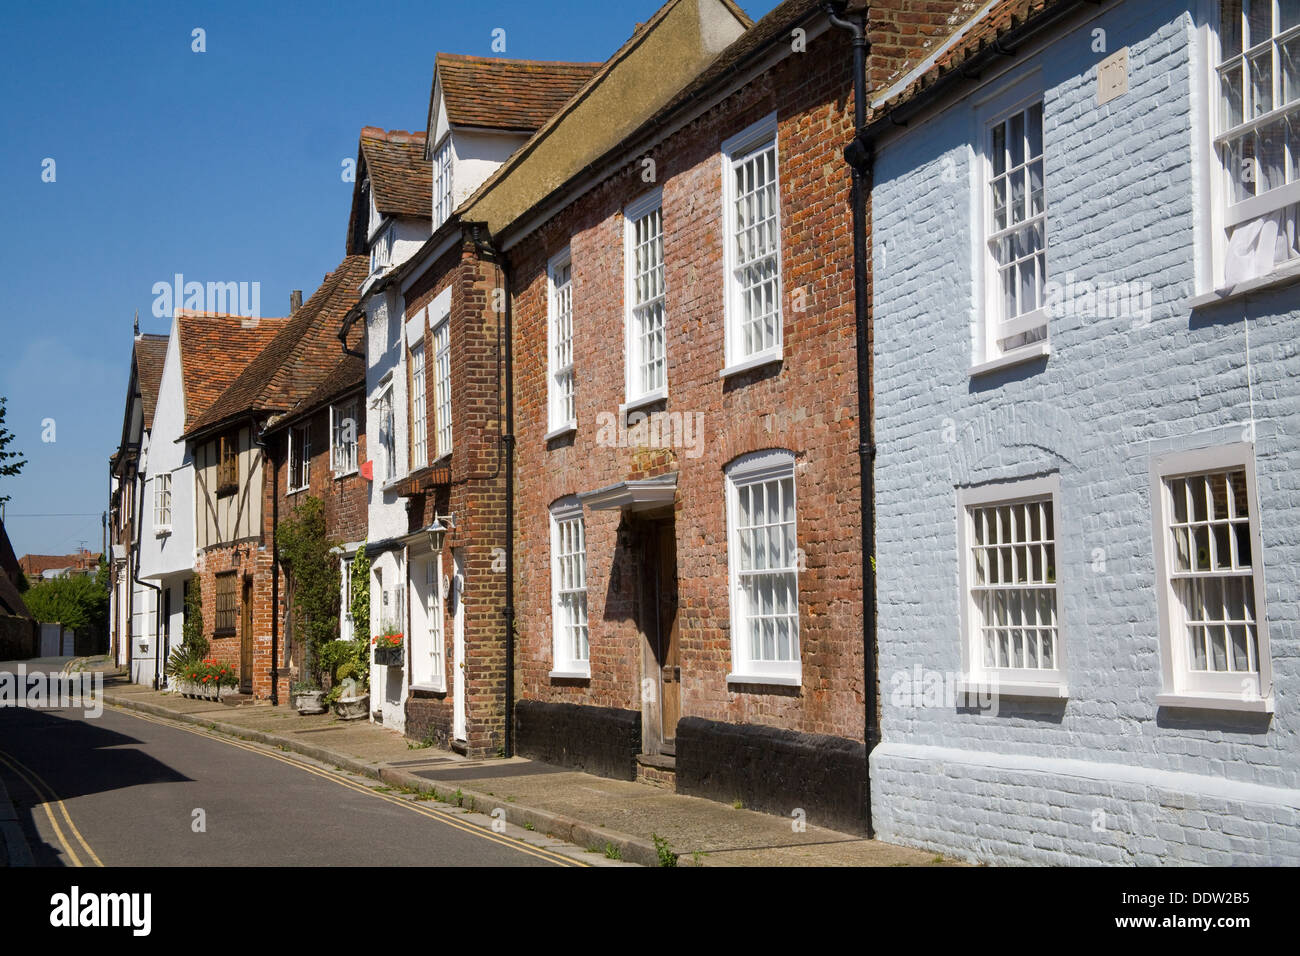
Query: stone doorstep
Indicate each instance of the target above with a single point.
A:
(633, 849)
(657, 770)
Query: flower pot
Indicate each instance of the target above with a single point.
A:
(388, 656)
(352, 708)
(311, 702)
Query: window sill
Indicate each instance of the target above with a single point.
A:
(1026, 353)
(295, 491)
(429, 688)
(632, 404)
(1283, 276)
(748, 365)
(392, 483)
(980, 686)
(163, 532)
(776, 680)
(340, 475)
(566, 429)
(1191, 700)
(569, 675)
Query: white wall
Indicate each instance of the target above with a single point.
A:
(174, 552)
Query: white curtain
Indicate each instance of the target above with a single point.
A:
(1257, 247)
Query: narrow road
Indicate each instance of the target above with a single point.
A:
(123, 789)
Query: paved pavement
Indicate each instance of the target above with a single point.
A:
(619, 819)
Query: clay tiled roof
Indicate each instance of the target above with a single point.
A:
(401, 179)
(297, 361)
(214, 350)
(505, 94)
(982, 33)
(150, 354)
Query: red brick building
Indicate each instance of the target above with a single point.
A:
(689, 579)
(234, 494)
(316, 450)
(437, 396)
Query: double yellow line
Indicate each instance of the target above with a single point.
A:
(49, 804)
(445, 816)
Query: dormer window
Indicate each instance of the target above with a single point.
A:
(381, 251)
(442, 183)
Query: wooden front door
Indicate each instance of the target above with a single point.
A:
(662, 630)
(246, 638)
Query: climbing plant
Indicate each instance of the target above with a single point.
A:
(361, 596)
(308, 557)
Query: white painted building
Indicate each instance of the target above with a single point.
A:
(166, 541)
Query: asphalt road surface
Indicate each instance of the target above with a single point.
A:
(129, 790)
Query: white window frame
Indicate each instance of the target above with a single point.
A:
(1182, 686)
(162, 503)
(347, 627)
(300, 446)
(442, 171)
(736, 151)
(559, 296)
(1215, 177)
(565, 663)
(386, 427)
(989, 327)
(419, 406)
(442, 386)
(632, 214)
(432, 642)
(381, 250)
(1007, 681)
(745, 472)
(342, 452)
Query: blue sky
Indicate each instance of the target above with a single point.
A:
(222, 165)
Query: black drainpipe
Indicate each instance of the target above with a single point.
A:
(859, 161)
(486, 249)
(135, 578)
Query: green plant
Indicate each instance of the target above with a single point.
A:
(312, 567)
(361, 596)
(77, 602)
(612, 852)
(211, 673)
(459, 797)
(697, 856)
(390, 639)
(666, 856)
(737, 804)
(528, 825)
(11, 462)
(193, 649)
(303, 687)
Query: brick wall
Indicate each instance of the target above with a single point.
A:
(1107, 776)
(475, 496)
(806, 405)
(345, 501)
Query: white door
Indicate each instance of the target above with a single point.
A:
(458, 645)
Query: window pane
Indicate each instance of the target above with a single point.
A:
(1261, 83)
(1229, 27)
(1230, 111)
(1288, 14)
(1259, 21)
